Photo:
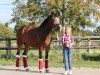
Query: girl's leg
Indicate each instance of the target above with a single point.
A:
(70, 59)
(66, 58)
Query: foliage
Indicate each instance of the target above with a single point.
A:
(20, 24)
(76, 13)
(97, 31)
(86, 33)
(6, 32)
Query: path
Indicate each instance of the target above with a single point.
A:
(10, 70)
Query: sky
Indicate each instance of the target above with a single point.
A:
(6, 10)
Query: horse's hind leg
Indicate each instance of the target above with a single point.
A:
(25, 57)
(18, 55)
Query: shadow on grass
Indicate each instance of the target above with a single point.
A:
(90, 57)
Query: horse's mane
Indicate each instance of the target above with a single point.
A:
(45, 21)
(45, 28)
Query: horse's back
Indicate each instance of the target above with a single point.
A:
(28, 35)
(22, 31)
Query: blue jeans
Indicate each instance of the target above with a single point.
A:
(68, 58)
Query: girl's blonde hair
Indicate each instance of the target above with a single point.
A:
(64, 29)
(68, 28)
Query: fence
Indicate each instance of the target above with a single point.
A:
(88, 42)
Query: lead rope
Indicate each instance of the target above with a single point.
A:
(63, 39)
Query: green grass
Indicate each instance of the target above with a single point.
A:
(86, 60)
(82, 59)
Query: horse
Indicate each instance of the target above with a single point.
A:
(38, 38)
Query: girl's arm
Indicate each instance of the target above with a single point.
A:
(59, 38)
(72, 42)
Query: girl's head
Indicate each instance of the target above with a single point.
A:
(68, 30)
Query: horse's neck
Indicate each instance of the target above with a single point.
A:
(46, 26)
(46, 29)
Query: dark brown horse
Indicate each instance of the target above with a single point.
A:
(38, 38)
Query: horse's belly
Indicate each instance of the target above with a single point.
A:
(32, 42)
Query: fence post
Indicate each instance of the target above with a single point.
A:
(8, 51)
(77, 45)
(89, 45)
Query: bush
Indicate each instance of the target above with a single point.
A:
(6, 32)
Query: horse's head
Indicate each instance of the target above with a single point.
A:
(55, 21)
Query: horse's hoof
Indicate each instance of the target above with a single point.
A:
(27, 69)
(17, 69)
(47, 71)
(41, 71)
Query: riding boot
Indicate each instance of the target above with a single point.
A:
(25, 62)
(40, 65)
(46, 65)
(17, 61)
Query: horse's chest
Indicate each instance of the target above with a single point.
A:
(47, 41)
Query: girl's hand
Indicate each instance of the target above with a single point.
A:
(67, 45)
(70, 46)
(57, 37)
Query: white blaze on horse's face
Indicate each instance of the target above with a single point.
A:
(56, 21)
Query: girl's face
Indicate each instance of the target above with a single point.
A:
(68, 30)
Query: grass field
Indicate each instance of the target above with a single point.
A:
(82, 59)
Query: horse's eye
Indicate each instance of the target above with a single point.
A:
(53, 20)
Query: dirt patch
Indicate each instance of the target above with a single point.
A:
(10, 70)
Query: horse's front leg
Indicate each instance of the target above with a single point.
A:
(40, 60)
(25, 63)
(46, 60)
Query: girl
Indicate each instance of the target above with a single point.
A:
(67, 41)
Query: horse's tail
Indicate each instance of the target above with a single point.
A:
(19, 34)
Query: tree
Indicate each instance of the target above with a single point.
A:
(86, 33)
(27, 11)
(97, 31)
(20, 24)
(76, 13)
(96, 11)
(6, 32)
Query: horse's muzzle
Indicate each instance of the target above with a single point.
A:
(58, 27)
